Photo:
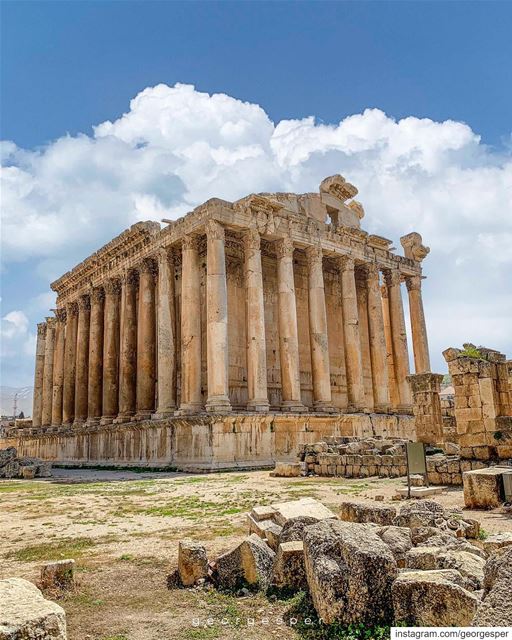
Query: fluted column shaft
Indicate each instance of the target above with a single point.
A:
(256, 343)
(320, 366)
(37, 406)
(377, 341)
(128, 350)
(217, 320)
(82, 359)
(49, 347)
(166, 329)
(94, 395)
(68, 392)
(146, 341)
(288, 333)
(364, 334)
(191, 401)
(111, 325)
(394, 397)
(418, 325)
(58, 367)
(399, 337)
(354, 364)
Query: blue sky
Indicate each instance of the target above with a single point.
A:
(69, 66)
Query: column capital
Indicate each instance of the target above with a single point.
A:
(113, 287)
(97, 295)
(252, 240)
(190, 242)
(50, 323)
(130, 278)
(314, 254)
(60, 314)
(148, 265)
(165, 254)
(41, 329)
(392, 277)
(285, 248)
(346, 263)
(84, 302)
(413, 283)
(372, 271)
(72, 309)
(214, 230)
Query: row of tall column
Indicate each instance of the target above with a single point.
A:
(101, 359)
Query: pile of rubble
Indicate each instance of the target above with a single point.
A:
(11, 466)
(422, 565)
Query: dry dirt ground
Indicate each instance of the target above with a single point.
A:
(123, 529)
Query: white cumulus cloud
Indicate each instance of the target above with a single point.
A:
(175, 147)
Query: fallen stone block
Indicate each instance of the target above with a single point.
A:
(192, 562)
(273, 536)
(495, 609)
(422, 513)
(362, 513)
(304, 507)
(498, 541)
(58, 575)
(423, 558)
(483, 488)
(469, 565)
(399, 540)
(288, 571)
(350, 571)
(287, 470)
(249, 564)
(432, 599)
(293, 528)
(26, 614)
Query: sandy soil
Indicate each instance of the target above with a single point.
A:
(123, 528)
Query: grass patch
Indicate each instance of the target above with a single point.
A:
(66, 548)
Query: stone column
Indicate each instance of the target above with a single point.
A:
(191, 401)
(166, 330)
(418, 326)
(394, 398)
(110, 393)
(399, 338)
(58, 367)
(361, 277)
(146, 341)
(37, 406)
(256, 343)
(128, 350)
(288, 333)
(68, 393)
(354, 363)
(427, 407)
(217, 320)
(82, 359)
(320, 367)
(49, 347)
(377, 341)
(95, 378)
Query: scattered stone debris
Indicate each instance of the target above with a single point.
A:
(11, 466)
(25, 613)
(58, 575)
(420, 564)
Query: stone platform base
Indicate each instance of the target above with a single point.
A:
(200, 443)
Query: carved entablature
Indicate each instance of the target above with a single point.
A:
(338, 187)
(414, 248)
(263, 212)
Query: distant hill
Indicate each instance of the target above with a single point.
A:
(24, 401)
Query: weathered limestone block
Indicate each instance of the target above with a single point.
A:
(293, 529)
(59, 574)
(26, 615)
(498, 541)
(350, 571)
(287, 470)
(432, 599)
(357, 512)
(422, 513)
(495, 610)
(399, 540)
(470, 566)
(303, 507)
(249, 564)
(483, 488)
(288, 571)
(192, 562)
(423, 558)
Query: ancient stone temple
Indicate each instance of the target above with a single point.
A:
(277, 308)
